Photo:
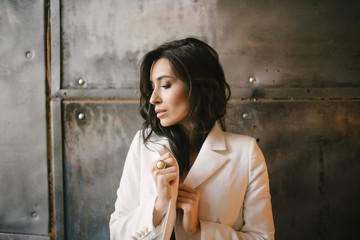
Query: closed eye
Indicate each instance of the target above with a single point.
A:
(166, 86)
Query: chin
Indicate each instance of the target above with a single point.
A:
(165, 123)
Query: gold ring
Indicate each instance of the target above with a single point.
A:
(160, 165)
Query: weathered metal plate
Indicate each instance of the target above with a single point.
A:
(306, 44)
(4, 236)
(94, 153)
(313, 154)
(312, 150)
(24, 198)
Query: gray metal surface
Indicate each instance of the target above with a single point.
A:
(312, 150)
(297, 44)
(24, 198)
(236, 93)
(55, 44)
(95, 148)
(305, 50)
(5, 236)
(57, 169)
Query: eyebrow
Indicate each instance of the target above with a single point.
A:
(161, 77)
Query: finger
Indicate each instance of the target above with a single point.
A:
(166, 156)
(168, 161)
(186, 188)
(168, 169)
(186, 200)
(185, 207)
(165, 177)
(187, 195)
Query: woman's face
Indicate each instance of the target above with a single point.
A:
(169, 95)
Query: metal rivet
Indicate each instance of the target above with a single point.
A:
(246, 116)
(81, 116)
(34, 214)
(81, 82)
(29, 54)
(252, 80)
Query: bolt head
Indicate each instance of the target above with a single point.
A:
(81, 116)
(81, 82)
(29, 54)
(34, 214)
(246, 116)
(252, 80)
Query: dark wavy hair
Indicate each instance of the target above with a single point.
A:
(197, 65)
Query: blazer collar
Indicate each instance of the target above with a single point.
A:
(208, 161)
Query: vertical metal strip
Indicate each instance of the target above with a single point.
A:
(48, 118)
(58, 221)
(57, 169)
(55, 37)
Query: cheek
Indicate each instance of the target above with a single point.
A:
(183, 106)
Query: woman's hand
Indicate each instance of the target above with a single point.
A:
(188, 201)
(163, 179)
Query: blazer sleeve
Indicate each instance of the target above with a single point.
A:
(132, 218)
(257, 211)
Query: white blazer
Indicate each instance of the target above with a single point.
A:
(229, 172)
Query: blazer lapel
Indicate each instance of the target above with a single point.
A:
(209, 160)
(159, 144)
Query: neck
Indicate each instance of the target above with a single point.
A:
(185, 128)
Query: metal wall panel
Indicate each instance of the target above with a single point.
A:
(24, 198)
(306, 50)
(4, 236)
(95, 149)
(312, 150)
(283, 44)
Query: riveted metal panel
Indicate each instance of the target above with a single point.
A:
(4, 236)
(312, 150)
(97, 138)
(294, 44)
(104, 41)
(293, 49)
(290, 43)
(24, 198)
(57, 169)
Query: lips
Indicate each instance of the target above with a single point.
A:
(160, 112)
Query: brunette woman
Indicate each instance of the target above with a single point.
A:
(184, 177)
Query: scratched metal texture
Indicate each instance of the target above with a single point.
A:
(311, 147)
(312, 151)
(295, 43)
(24, 197)
(94, 152)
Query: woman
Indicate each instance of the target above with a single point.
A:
(184, 177)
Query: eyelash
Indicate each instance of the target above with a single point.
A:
(166, 86)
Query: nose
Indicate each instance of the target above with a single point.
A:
(155, 98)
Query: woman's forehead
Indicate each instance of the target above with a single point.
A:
(161, 69)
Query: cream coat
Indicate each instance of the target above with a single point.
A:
(231, 175)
